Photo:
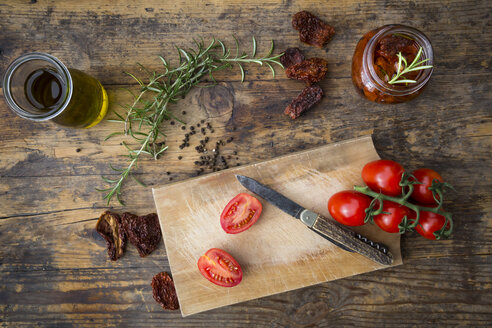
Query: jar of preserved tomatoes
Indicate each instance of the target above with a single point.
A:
(376, 62)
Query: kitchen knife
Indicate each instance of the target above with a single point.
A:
(328, 229)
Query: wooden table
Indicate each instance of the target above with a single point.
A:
(54, 270)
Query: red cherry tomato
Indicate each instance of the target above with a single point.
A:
(421, 192)
(383, 176)
(429, 223)
(220, 267)
(240, 213)
(348, 207)
(390, 222)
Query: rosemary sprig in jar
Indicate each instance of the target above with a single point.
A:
(404, 68)
(144, 117)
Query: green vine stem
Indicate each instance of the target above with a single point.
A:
(437, 188)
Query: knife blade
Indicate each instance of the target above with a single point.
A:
(339, 235)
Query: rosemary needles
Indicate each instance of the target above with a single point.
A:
(404, 68)
(150, 107)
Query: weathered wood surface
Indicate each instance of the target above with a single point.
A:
(292, 256)
(54, 269)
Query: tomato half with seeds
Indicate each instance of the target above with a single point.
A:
(240, 213)
(220, 268)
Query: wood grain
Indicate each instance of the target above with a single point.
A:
(279, 253)
(54, 269)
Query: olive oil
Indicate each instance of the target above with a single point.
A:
(39, 87)
(88, 104)
(45, 89)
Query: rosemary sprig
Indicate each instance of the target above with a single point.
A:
(144, 117)
(416, 65)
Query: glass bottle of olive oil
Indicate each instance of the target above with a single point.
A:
(39, 87)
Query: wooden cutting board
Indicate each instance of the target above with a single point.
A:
(278, 253)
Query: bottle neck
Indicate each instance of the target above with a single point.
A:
(16, 79)
(394, 89)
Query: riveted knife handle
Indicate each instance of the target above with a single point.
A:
(348, 238)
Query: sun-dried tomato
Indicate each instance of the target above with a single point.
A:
(291, 57)
(144, 232)
(309, 97)
(164, 292)
(109, 227)
(390, 45)
(310, 70)
(312, 30)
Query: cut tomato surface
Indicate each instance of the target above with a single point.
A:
(240, 213)
(220, 268)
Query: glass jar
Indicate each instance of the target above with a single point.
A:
(366, 73)
(39, 87)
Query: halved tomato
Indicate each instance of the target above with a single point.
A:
(240, 213)
(220, 267)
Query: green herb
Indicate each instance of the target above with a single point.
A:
(144, 117)
(416, 65)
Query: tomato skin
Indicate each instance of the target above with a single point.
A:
(348, 207)
(383, 176)
(429, 223)
(421, 193)
(220, 268)
(390, 222)
(240, 213)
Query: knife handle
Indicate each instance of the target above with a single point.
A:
(350, 240)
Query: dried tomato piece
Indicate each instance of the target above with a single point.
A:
(383, 68)
(144, 232)
(310, 70)
(109, 227)
(291, 57)
(309, 97)
(164, 292)
(312, 30)
(390, 45)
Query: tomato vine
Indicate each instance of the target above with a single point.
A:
(407, 183)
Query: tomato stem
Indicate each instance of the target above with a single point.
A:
(444, 232)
